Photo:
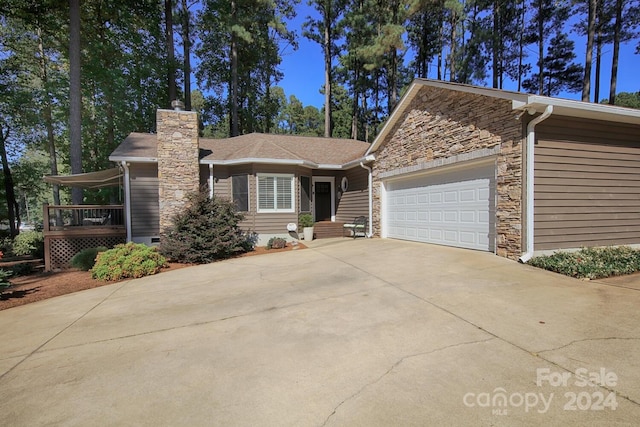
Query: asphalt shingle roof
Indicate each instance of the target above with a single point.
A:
(319, 150)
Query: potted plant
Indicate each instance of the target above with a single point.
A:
(305, 221)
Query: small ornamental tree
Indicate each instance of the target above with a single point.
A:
(207, 230)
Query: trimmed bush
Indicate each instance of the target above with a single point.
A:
(276, 243)
(305, 220)
(6, 247)
(4, 279)
(29, 243)
(207, 230)
(591, 263)
(86, 258)
(130, 260)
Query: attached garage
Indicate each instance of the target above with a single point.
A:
(563, 174)
(447, 206)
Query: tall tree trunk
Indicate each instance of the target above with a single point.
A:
(48, 116)
(596, 95)
(496, 41)
(521, 46)
(168, 32)
(393, 81)
(75, 97)
(356, 99)
(441, 36)
(616, 51)
(328, 128)
(234, 129)
(540, 49)
(598, 43)
(591, 29)
(186, 46)
(12, 205)
(452, 48)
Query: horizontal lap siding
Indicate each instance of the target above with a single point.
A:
(355, 201)
(145, 211)
(587, 184)
(271, 223)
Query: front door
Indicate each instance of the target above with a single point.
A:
(322, 200)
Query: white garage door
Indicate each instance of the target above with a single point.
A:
(447, 208)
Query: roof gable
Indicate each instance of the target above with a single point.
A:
(520, 102)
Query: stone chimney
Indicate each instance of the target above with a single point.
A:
(178, 168)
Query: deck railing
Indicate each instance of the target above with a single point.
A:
(69, 217)
(68, 229)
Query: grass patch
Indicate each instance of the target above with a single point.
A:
(591, 263)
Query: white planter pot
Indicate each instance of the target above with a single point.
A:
(308, 233)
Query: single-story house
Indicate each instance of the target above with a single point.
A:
(460, 165)
(271, 178)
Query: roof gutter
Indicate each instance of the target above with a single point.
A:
(531, 139)
(127, 198)
(370, 233)
(360, 161)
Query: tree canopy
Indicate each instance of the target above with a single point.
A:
(61, 112)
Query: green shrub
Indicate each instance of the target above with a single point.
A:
(276, 243)
(4, 279)
(86, 258)
(6, 246)
(22, 269)
(305, 220)
(130, 260)
(207, 230)
(29, 243)
(591, 263)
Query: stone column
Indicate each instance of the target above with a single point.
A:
(178, 168)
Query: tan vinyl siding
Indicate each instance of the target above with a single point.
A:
(355, 201)
(267, 222)
(145, 216)
(221, 182)
(587, 184)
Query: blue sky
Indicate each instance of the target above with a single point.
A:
(304, 70)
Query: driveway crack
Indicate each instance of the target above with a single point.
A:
(395, 365)
(188, 325)
(61, 331)
(588, 339)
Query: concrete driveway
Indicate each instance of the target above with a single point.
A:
(347, 333)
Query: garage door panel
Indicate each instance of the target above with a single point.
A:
(451, 209)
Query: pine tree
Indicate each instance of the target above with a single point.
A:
(560, 73)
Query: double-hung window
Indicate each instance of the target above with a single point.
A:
(276, 192)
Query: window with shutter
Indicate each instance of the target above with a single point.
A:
(275, 193)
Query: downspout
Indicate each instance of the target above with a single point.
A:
(370, 234)
(210, 180)
(127, 199)
(531, 139)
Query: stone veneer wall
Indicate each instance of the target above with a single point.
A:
(178, 169)
(442, 124)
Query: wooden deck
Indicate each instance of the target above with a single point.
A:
(69, 229)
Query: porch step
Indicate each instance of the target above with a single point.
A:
(327, 229)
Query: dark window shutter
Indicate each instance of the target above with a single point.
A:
(240, 188)
(305, 194)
